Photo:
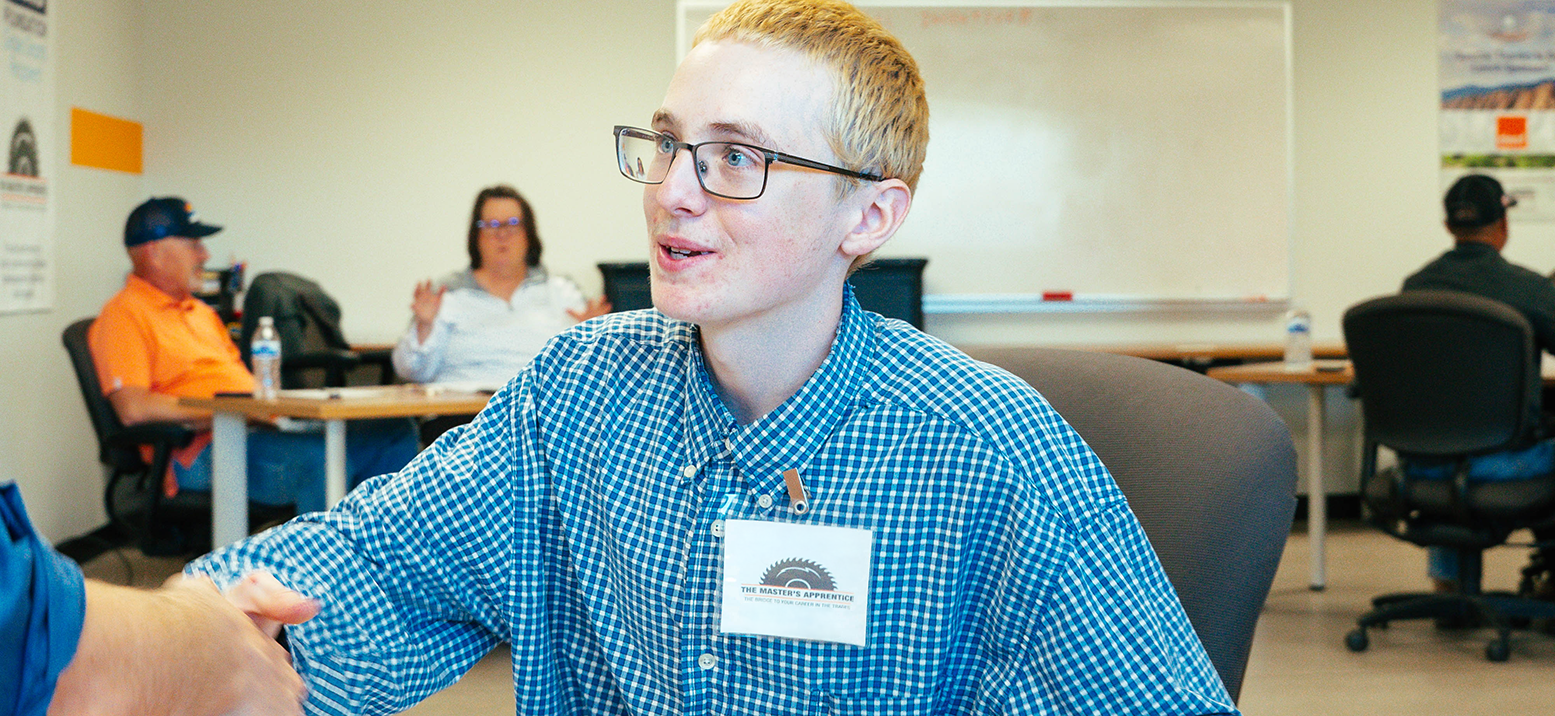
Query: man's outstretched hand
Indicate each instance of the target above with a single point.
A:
(185, 649)
(269, 604)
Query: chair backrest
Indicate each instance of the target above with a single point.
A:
(1209, 471)
(891, 287)
(1443, 373)
(626, 285)
(105, 421)
(306, 318)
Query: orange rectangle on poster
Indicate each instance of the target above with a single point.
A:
(104, 142)
(1511, 132)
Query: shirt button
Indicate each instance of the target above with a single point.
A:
(718, 528)
(707, 661)
(728, 446)
(689, 471)
(764, 501)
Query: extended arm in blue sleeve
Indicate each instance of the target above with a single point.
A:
(42, 605)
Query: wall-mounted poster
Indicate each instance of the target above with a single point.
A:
(27, 125)
(1498, 98)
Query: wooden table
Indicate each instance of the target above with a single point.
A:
(1197, 356)
(1319, 375)
(334, 406)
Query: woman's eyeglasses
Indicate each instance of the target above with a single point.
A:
(499, 223)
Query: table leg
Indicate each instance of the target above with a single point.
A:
(1317, 502)
(229, 479)
(334, 462)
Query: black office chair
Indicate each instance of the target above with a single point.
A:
(138, 511)
(308, 322)
(1209, 471)
(891, 287)
(1442, 377)
(626, 285)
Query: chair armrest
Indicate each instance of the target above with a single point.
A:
(328, 358)
(376, 356)
(165, 433)
(383, 358)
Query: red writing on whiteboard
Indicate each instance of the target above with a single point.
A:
(977, 16)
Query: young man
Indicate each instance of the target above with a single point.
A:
(757, 498)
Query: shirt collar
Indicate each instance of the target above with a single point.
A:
(533, 276)
(789, 435)
(1474, 248)
(154, 296)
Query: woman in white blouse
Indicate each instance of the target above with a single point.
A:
(483, 324)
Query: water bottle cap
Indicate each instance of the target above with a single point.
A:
(266, 321)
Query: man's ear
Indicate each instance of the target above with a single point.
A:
(884, 208)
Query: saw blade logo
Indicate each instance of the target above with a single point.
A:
(799, 574)
(23, 160)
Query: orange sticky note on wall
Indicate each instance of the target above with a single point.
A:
(1511, 132)
(104, 142)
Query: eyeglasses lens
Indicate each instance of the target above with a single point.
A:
(644, 157)
(727, 169)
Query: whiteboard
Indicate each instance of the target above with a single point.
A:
(1097, 155)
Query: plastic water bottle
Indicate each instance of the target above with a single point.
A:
(266, 354)
(1298, 340)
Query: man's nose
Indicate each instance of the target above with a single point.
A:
(681, 186)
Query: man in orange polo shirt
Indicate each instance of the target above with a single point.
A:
(154, 342)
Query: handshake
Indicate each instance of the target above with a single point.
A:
(186, 648)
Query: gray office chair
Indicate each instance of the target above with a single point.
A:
(1209, 471)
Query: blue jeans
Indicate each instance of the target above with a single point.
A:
(288, 468)
(1512, 465)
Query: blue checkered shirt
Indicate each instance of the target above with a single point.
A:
(574, 519)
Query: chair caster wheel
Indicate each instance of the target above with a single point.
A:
(1498, 650)
(1356, 641)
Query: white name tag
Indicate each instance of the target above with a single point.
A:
(796, 581)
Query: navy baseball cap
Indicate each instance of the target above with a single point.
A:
(1476, 200)
(161, 217)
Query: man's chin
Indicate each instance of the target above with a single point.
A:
(680, 305)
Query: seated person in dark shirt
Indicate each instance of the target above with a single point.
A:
(1476, 217)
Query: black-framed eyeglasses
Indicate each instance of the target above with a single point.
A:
(499, 223)
(732, 170)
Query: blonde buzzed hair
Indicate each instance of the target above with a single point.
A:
(879, 118)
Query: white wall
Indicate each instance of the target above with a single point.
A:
(46, 442)
(344, 141)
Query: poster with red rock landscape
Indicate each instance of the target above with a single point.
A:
(1497, 79)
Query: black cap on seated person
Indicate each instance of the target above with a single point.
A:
(1476, 200)
(162, 217)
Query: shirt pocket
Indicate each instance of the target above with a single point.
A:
(784, 676)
